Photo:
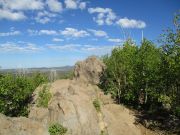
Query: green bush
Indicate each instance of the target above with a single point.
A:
(57, 129)
(39, 78)
(97, 105)
(44, 96)
(16, 93)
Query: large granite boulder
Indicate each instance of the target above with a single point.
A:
(89, 70)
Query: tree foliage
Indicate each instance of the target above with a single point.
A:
(16, 93)
(146, 76)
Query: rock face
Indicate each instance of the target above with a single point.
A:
(72, 106)
(89, 70)
(21, 126)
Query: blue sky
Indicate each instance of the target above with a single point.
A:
(52, 33)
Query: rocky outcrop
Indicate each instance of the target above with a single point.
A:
(21, 126)
(71, 105)
(89, 70)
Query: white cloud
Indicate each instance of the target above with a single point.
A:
(42, 32)
(47, 32)
(87, 49)
(16, 9)
(116, 40)
(9, 15)
(44, 17)
(110, 18)
(98, 33)
(75, 4)
(104, 15)
(131, 23)
(98, 10)
(71, 4)
(67, 32)
(57, 39)
(43, 20)
(11, 33)
(99, 21)
(22, 4)
(82, 5)
(54, 5)
(72, 32)
(66, 47)
(19, 47)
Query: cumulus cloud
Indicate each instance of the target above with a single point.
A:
(11, 33)
(98, 33)
(103, 15)
(57, 39)
(22, 4)
(42, 32)
(47, 32)
(75, 4)
(72, 32)
(44, 17)
(10, 15)
(15, 10)
(54, 5)
(131, 23)
(67, 32)
(18, 47)
(71, 4)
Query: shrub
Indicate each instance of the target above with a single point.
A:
(44, 96)
(57, 129)
(97, 105)
(16, 93)
(39, 78)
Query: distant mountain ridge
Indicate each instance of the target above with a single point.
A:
(40, 69)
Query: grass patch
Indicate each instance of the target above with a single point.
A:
(44, 97)
(57, 129)
(97, 105)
